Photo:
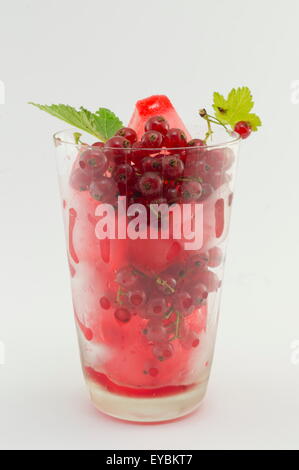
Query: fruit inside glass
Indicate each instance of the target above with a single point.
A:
(145, 293)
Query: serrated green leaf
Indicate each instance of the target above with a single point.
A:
(236, 108)
(102, 125)
(239, 102)
(221, 107)
(254, 121)
(107, 123)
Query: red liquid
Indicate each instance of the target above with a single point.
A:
(112, 387)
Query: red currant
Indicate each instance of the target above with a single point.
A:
(196, 143)
(171, 194)
(79, 180)
(163, 351)
(98, 144)
(156, 307)
(126, 277)
(243, 129)
(128, 134)
(166, 284)
(118, 149)
(155, 332)
(105, 303)
(151, 164)
(150, 184)
(173, 167)
(123, 173)
(175, 138)
(123, 315)
(199, 261)
(157, 123)
(93, 162)
(209, 279)
(152, 140)
(190, 340)
(207, 190)
(138, 153)
(103, 189)
(137, 297)
(191, 191)
(199, 293)
(215, 257)
(219, 159)
(183, 302)
(216, 178)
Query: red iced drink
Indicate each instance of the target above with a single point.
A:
(145, 293)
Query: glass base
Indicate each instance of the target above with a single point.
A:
(144, 410)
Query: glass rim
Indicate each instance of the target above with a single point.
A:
(235, 138)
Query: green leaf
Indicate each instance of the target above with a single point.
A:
(236, 107)
(107, 123)
(102, 125)
(239, 102)
(254, 121)
(221, 107)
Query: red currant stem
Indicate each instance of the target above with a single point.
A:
(215, 120)
(190, 178)
(177, 326)
(168, 313)
(165, 284)
(136, 271)
(203, 113)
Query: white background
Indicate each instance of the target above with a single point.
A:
(94, 53)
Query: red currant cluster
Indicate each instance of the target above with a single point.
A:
(161, 167)
(166, 299)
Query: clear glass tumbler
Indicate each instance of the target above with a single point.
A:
(146, 240)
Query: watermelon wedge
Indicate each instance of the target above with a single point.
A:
(156, 105)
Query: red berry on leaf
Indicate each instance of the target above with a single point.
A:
(243, 129)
